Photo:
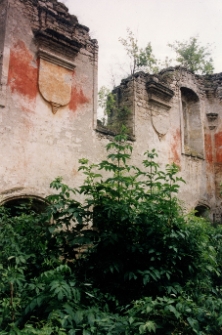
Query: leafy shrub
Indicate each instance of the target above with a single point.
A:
(125, 261)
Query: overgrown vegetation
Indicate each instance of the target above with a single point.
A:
(189, 54)
(126, 261)
(117, 115)
(140, 58)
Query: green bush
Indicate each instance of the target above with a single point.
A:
(125, 261)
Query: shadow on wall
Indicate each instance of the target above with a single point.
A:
(192, 127)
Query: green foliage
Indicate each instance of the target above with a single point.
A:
(189, 54)
(124, 261)
(140, 58)
(117, 115)
(102, 97)
(193, 56)
(107, 101)
(110, 104)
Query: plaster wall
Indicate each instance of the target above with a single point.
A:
(44, 132)
(158, 119)
(48, 107)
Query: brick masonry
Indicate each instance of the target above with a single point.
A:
(48, 106)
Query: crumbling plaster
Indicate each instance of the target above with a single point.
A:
(37, 145)
(161, 105)
(48, 106)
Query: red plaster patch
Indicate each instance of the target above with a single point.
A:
(175, 147)
(23, 76)
(218, 147)
(208, 148)
(77, 98)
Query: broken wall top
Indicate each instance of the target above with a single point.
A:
(51, 23)
(209, 86)
(38, 31)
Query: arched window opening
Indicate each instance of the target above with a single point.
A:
(25, 204)
(202, 211)
(192, 126)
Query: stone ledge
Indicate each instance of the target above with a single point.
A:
(159, 90)
(56, 59)
(106, 131)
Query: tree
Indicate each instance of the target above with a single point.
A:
(102, 96)
(125, 261)
(193, 56)
(140, 58)
(117, 115)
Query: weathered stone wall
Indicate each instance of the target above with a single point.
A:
(3, 51)
(179, 114)
(48, 105)
(49, 113)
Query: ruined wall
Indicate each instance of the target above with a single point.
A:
(48, 105)
(48, 116)
(179, 114)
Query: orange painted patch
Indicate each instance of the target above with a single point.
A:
(175, 148)
(23, 75)
(77, 98)
(218, 147)
(208, 148)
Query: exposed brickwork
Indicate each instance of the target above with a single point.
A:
(50, 71)
(179, 114)
(48, 96)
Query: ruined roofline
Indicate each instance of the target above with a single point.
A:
(210, 83)
(52, 15)
(178, 67)
(148, 75)
(55, 7)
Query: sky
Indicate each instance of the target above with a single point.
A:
(157, 21)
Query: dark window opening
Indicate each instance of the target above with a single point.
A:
(26, 205)
(202, 211)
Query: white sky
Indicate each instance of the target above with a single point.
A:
(156, 21)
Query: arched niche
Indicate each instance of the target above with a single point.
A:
(30, 203)
(191, 123)
(202, 211)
